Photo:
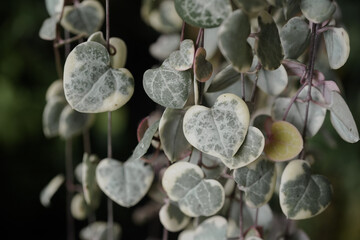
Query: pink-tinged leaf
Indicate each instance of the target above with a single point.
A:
(143, 125)
(203, 69)
(326, 87)
(294, 68)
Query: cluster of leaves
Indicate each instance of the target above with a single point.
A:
(238, 104)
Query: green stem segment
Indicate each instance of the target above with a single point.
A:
(69, 189)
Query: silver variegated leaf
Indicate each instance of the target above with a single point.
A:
(337, 44)
(145, 142)
(125, 183)
(203, 13)
(258, 181)
(50, 189)
(166, 86)
(172, 218)
(90, 84)
(183, 59)
(84, 18)
(184, 182)
(342, 119)
(51, 116)
(295, 37)
(92, 192)
(233, 34)
(48, 28)
(303, 195)
(317, 11)
(220, 130)
(99, 231)
(213, 228)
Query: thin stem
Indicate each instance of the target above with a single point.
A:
(293, 99)
(109, 139)
(256, 217)
(69, 189)
(65, 41)
(58, 63)
(86, 141)
(182, 31)
(241, 233)
(243, 85)
(107, 26)
(165, 234)
(253, 93)
(110, 215)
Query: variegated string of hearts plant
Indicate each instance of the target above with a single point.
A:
(239, 105)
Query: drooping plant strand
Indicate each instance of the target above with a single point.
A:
(69, 189)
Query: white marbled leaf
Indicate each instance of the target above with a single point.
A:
(99, 231)
(220, 130)
(172, 138)
(214, 228)
(342, 119)
(48, 28)
(84, 18)
(337, 44)
(183, 59)
(72, 123)
(92, 192)
(203, 13)
(166, 86)
(51, 116)
(233, 34)
(258, 181)
(184, 182)
(90, 84)
(303, 195)
(172, 218)
(78, 207)
(317, 11)
(145, 142)
(296, 115)
(50, 189)
(125, 183)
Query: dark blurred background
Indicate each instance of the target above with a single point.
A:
(30, 160)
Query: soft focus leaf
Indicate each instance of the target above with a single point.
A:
(253, 6)
(317, 11)
(337, 46)
(145, 142)
(78, 207)
(172, 218)
(50, 189)
(48, 28)
(92, 192)
(99, 231)
(164, 46)
(51, 116)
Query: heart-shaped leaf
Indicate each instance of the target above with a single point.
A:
(50, 189)
(342, 119)
(317, 11)
(78, 207)
(145, 142)
(303, 195)
(271, 82)
(51, 116)
(72, 123)
(166, 86)
(257, 180)
(295, 37)
(249, 151)
(210, 165)
(220, 130)
(253, 6)
(214, 228)
(233, 44)
(184, 182)
(99, 231)
(203, 69)
(84, 18)
(297, 112)
(92, 193)
(172, 218)
(183, 59)
(203, 13)
(90, 84)
(284, 142)
(268, 47)
(126, 184)
(173, 141)
(48, 28)
(337, 46)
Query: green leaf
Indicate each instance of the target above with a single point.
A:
(99, 231)
(253, 6)
(317, 11)
(249, 151)
(50, 189)
(51, 116)
(296, 115)
(92, 193)
(268, 47)
(54, 6)
(257, 180)
(233, 34)
(173, 141)
(72, 123)
(84, 18)
(342, 119)
(203, 13)
(90, 84)
(203, 69)
(126, 184)
(172, 218)
(295, 37)
(213, 228)
(303, 195)
(48, 28)
(220, 130)
(284, 142)
(183, 59)
(78, 207)
(145, 142)
(337, 46)
(184, 182)
(271, 82)
(166, 86)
